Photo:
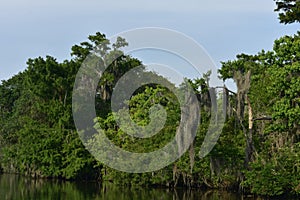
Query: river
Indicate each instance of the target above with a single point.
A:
(15, 187)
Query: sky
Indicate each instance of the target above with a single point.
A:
(32, 28)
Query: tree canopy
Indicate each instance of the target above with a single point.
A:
(258, 150)
(289, 11)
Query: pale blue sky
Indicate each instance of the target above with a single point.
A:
(32, 28)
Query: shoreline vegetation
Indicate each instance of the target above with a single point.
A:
(257, 153)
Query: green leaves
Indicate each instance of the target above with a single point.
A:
(289, 11)
(276, 175)
(36, 122)
(38, 136)
(285, 82)
(274, 91)
(139, 107)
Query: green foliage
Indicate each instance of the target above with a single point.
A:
(38, 136)
(289, 11)
(285, 83)
(275, 92)
(275, 175)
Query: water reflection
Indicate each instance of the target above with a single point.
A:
(14, 187)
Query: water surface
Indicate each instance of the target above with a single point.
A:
(14, 187)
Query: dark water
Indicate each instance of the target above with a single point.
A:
(13, 187)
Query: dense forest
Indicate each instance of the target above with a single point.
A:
(258, 150)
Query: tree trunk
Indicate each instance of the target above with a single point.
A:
(250, 149)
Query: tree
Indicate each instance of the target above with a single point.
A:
(273, 97)
(241, 71)
(37, 132)
(289, 11)
(110, 57)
